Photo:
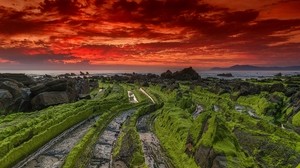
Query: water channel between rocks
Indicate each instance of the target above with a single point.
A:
(153, 152)
(102, 153)
(54, 154)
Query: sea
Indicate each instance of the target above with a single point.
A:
(202, 73)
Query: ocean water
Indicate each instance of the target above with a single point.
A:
(247, 74)
(203, 73)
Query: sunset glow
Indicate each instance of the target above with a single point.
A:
(56, 34)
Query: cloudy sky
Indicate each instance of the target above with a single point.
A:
(62, 34)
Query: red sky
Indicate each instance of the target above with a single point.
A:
(70, 34)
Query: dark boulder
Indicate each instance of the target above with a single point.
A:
(82, 86)
(19, 100)
(22, 78)
(73, 87)
(54, 85)
(5, 100)
(228, 75)
(13, 81)
(5, 94)
(47, 99)
(13, 88)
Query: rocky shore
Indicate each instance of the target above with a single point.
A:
(22, 93)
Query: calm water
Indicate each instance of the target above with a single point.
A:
(248, 74)
(204, 74)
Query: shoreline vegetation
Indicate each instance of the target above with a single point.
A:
(198, 122)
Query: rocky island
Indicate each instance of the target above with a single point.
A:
(229, 75)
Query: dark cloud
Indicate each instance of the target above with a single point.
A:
(125, 5)
(17, 55)
(241, 16)
(126, 29)
(64, 7)
(13, 22)
(267, 27)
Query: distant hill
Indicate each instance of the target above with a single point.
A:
(256, 68)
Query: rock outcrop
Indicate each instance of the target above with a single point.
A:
(47, 99)
(5, 94)
(12, 97)
(225, 75)
(19, 92)
(185, 74)
(22, 78)
(66, 90)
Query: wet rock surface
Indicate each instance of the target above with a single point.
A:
(243, 109)
(145, 93)
(208, 158)
(54, 156)
(132, 97)
(153, 152)
(198, 110)
(102, 154)
(216, 108)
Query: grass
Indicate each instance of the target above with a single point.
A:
(296, 120)
(172, 126)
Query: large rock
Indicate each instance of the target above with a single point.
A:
(13, 88)
(185, 74)
(82, 86)
(22, 78)
(13, 98)
(73, 87)
(5, 94)
(55, 85)
(5, 100)
(13, 81)
(47, 99)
